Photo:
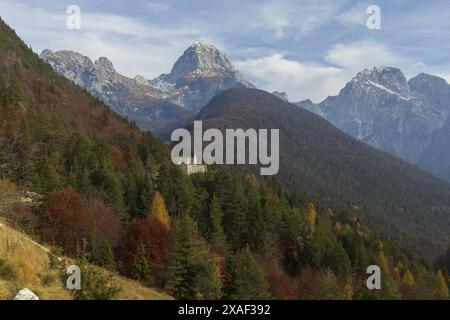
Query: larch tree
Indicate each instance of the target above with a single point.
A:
(159, 211)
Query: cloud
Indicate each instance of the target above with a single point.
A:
(300, 81)
(363, 54)
(308, 48)
(285, 17)
(134, 46)
(316, 81)
(356, 15)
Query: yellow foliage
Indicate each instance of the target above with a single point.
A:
(441, 291)
(384, 264)
(311, 218)
(159, 211)
(408, 279)
(348, 292)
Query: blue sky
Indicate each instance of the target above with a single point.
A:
(309, 49)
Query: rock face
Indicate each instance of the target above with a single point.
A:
(282, 95)
(26, 294)
(380, 107)
(156, 105)
(436, 157)
(151, 108)
(199, 74)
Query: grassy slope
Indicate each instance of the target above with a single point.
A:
(31, 264)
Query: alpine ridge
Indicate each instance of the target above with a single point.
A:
(160, 104)
(381, 108)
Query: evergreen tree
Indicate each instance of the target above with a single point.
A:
(105, 257)
(194, 275)
(141, 265)
(329, 288)
(255, 221)
(216, 233)
(244, 278)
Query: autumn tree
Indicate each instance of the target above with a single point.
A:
(441, 291)
(281, 285)
(159, 211)
(104, 225)
(63, 219)
(148, 235)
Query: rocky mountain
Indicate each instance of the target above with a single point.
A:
(380, 107)
(336, 170)
(151, 108)
(436, 157)
(160, 104)
(282, 95)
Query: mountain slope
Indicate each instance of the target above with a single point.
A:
(336, 170)
(151, 108)
(30, 262)
(158, 105)
(381, 108)
(436, 158)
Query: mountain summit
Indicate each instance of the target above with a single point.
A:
(199, 57)
(380, 107)
(200, 73)
(160, 104)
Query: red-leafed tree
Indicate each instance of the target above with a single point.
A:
(282, 286)
(148, 233)
(104, 224)
(63, 220)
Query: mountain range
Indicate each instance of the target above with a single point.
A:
(160, 104)
(383, 109)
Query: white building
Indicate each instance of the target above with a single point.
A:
(190, 165)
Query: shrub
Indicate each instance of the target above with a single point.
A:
(7, 272)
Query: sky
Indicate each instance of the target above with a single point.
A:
(306, 48)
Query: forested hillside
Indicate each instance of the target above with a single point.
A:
(334, 169)
(107, 194)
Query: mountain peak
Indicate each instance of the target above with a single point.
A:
(428, 79)
(200, 56)
(105, 64)
(387, 78)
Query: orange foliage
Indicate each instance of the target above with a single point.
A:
(155, 237)
(63, 221)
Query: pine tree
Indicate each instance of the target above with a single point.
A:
(159, 211)
(234, 211)
(105, 257)
(194, 275)
(244, 278)
(141, 265)
(329, 288)
(216, 233)
(255, 221)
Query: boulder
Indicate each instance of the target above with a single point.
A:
(26, 294)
